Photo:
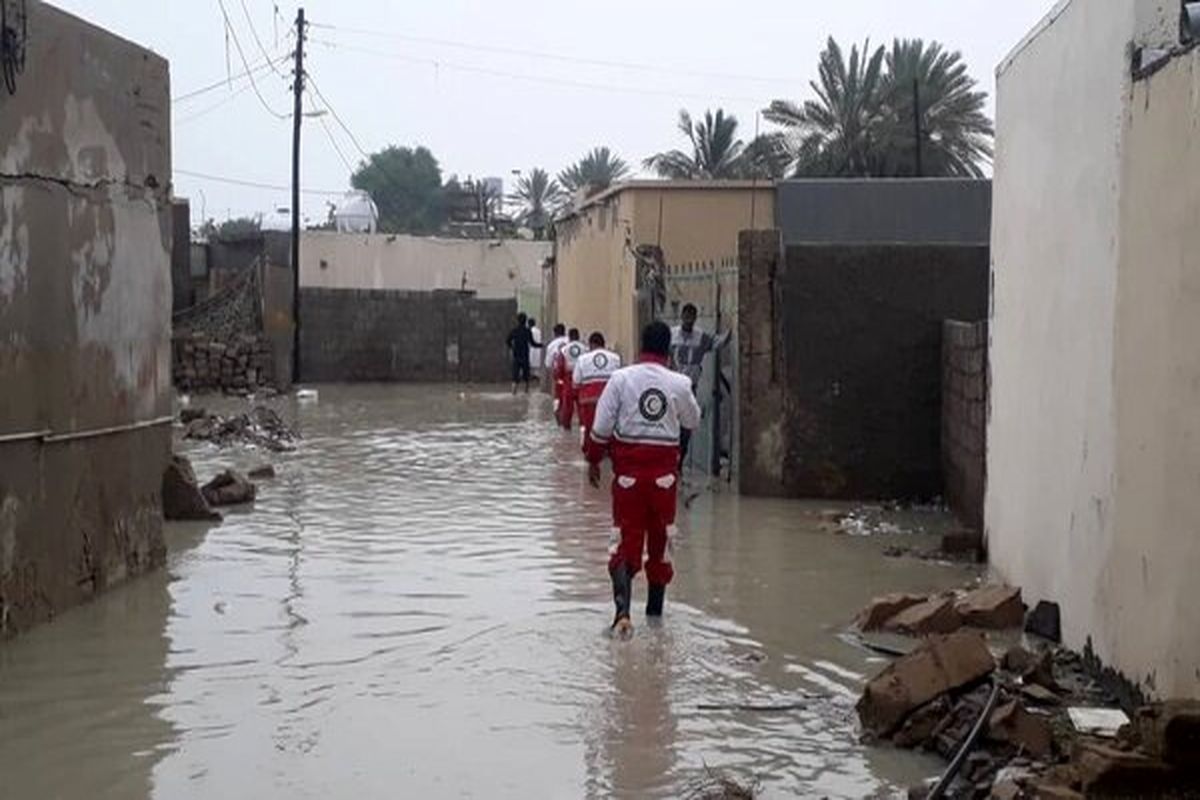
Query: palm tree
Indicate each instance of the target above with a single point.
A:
(956, 134)
(593, 173)
(540, 197)
(716, 150)
(838, 133)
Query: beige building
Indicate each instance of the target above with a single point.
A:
(594, 281)
(492, 268)
(1094, 431)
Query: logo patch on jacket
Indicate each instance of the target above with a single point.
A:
(601, 361)
(653, 405)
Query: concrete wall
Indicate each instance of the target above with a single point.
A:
(1092, 459)
(692, 221)
(494, 269)
(85, 304)
(964, 419)
(381, 335)
(932, 210)
(857, 340)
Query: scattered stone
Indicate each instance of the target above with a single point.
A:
(881, 609)
(935, 615)
(1040, 695)
(229, 488)
(264, 472)
(1052, 791)
(188, 415)
(1044, 621)
(181, 495)
(1171, 731)
(262, 427)
(1018, 660)
(939, 665)
(1106, 722)
(921, 724)
(993, 607)
(1026, 731)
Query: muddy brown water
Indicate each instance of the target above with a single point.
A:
(417, 607)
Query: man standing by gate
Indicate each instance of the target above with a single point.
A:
(689, 345)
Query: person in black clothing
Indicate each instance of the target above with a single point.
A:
(520, 340)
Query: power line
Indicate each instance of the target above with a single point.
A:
(607, 87)
(245, 63)
(259, 67)
(213, 107)
(599, 62)
(254, 184)
(257, 40)
(338, 117)
(332, 139)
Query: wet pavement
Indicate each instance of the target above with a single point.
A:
(417, 607)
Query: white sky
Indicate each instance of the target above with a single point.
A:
(486, 112)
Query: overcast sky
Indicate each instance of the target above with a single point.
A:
(491, 86)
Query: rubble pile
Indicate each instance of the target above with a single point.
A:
(1046, 727)
(229, 488)
(262, 427)
(181, 495)
(237, 365)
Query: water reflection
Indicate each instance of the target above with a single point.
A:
(417, 606)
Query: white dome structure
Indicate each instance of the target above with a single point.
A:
(356, 213)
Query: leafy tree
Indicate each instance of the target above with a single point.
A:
(540, 197)
(595, 172)
(717, 153)
(406, 185)
(862, 121)
(231, 228)
(837, 133)
(956, 134)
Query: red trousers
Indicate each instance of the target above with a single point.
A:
(587, 415)
(644, 514)
(566, 402)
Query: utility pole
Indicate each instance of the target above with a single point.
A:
(917, 123)
(297, 116)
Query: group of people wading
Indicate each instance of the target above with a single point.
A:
(640, 416)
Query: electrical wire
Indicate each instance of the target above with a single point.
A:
(333, 140)
(223, 82)
(607, 87)
(245, 63)
(598, 62)
(254, 184)
(213, 107)
(257, 40)
(338, 118)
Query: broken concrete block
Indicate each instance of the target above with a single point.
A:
(182, 498)
(1171, 731)
(881, 609)
(941, 664)
(935, 615)
(1044, 621)
(1040, 695)
(921, 724)
(1108, 772)
(229, 488)
(1029, 732)
(188, 415)
(993, 607)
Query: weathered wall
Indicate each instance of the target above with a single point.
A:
(857, 348)
(691, 221)
(85, 302)
(1092, 456)
(1149, 613)
(182, 293)
(964, 419)
(762, 432)
(383, 335)
(493, 269)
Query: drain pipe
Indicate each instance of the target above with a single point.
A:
(967, 746)
(50, 437)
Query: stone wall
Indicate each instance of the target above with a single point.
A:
(841, 357)
(964, 418)
(383, 335)
(220, 345)
(85, 310)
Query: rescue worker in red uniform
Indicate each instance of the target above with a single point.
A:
(592, 371)
(638, 420)
(553, 350)
(567, 357)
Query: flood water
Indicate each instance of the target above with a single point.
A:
(418, 607)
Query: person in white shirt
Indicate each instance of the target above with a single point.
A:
(592, 371)
(551, 363)
(638, 422)
(689, 345)
(535, 353)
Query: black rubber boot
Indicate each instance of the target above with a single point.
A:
(622, 581)
(654, 603)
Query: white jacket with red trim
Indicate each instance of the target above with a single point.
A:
(571, 352)
(639, 418)
(553, 349)
(593, 370)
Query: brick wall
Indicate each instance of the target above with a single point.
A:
(392, 335)
(964, 418)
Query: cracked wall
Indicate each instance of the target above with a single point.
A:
(85, 299)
